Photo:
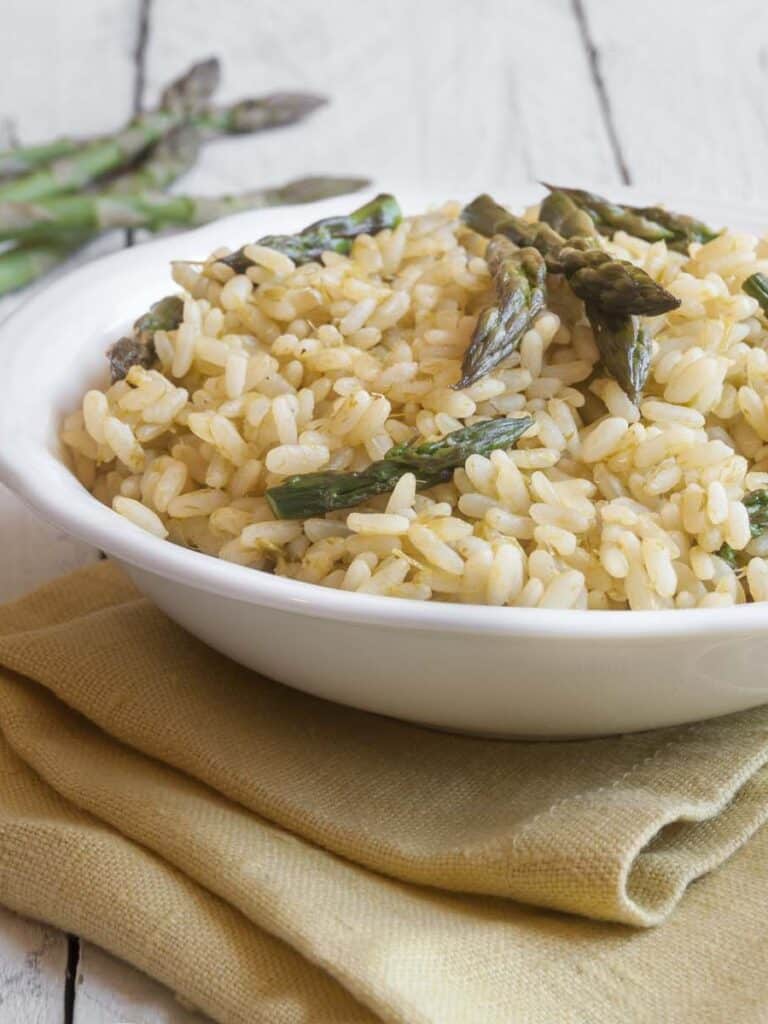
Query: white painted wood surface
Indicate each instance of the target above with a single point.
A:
(673, 95)
(33, 960)
(109, 991)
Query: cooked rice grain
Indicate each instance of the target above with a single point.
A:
(603, 505)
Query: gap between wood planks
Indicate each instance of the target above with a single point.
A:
(593, 58)
(139, 81)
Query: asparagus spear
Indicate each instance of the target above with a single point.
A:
(561, 213)
(685, 229)
(487, 217)
(756, 504)
(615, 286)
(190, 92)
(244, 117)
(519, 276)
(22, 265)
(138, 348)
(257, 115)
(333, 234)
(96, 158)
(653, 223)
(614, 216)
(96, 212)
(757, 287)
(172, 156)
(166, 314)
(314, 494)
(625, 349)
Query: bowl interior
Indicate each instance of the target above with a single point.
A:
(52, 350)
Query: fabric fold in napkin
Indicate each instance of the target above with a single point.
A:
(273, 857)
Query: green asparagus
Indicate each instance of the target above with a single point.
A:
(487, 217)
(381, 212)
(314, 494)
(190, 92)
(171, 157)
(153, 211)
(625, 349)
(24, 264)
(684, 229)
(91, 161)
(561, 213)
(520, 280)
(138, 348)
(652, 223)
(757, 287)
(756, 504)
(333, 234)
(616, 286)
(244, 117)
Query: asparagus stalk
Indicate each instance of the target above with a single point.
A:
(138, 348)
(244, 117)
(625, 349)
(756, 504)
(333, 234)
(615, 286)
(23, 265)
(152, 210)
(519, 277)
(561, 213)
(314, 494)
(487, 217)
(76, 170)
(653, 223)
(757, 287)
(170, 158)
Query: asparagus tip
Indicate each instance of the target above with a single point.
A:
(310, 189)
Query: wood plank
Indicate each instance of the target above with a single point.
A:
(33, 960)
(686, 86)
(67, 68)
(470, 97)
(109, 991)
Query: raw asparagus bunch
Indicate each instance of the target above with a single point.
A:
(314, 494)
(244, 117)
(653, 223)
(47, 223)
(170, 158)
(102, 211)
(519, 277)
(333, 233)
(183, 98)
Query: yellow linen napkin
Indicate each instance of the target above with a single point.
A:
(273, 857)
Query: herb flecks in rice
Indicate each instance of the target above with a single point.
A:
(604, 504)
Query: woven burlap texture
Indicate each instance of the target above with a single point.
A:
(276, 858)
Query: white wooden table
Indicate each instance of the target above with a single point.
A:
(672, 94)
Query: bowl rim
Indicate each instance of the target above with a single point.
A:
(88, 520)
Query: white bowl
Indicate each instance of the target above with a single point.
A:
(500, 671)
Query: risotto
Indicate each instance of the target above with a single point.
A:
(603, 503)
